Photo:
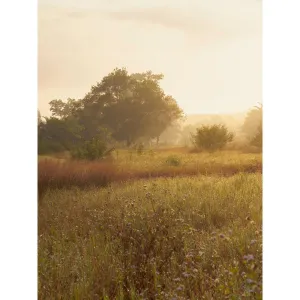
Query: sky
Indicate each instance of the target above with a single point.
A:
(210, 51)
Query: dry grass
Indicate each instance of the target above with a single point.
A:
(174, 149)
(187, 238)
(59, 174)
(54, 174)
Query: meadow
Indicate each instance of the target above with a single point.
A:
(165, 224)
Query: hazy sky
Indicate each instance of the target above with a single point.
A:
(210, 51)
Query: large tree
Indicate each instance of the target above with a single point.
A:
(126, 107)
(130, 105)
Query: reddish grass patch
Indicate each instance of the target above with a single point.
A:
(54, 174)
(64, 174)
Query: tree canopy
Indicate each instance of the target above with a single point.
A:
(253, 122)
(126, 107)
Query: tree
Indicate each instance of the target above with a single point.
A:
(252, 122)
(63, 110)
(131, 106)
(58, 134)
(124, 107)
(257, 140)
(212, 137)
(39, 120)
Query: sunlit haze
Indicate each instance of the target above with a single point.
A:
(208, 50)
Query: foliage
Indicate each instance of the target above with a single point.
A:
(58, 134)
(257, 140)
(122, 107)
(173, 160)
(63, 110)
(90, 150)
(253, 122)
(131, 106)
(212, 137)
(39, 119)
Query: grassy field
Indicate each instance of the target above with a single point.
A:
(189, 228)
(61, 172)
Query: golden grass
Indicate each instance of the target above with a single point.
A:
(58, 173)
(181, 238)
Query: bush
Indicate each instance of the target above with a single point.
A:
(46, 146)
(173, 161)
(90, 150)
(257, 139)
(212, 137)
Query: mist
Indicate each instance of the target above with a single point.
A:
(209, 52)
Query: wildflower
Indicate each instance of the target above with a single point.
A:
(243, 274)
(249, 281)
(248, 257)
(221, 235)
(252, 242)
(176, 279)
(185, 274)
(180, 288)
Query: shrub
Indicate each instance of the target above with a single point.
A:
(46, 146)
(257, 139)
(173, 161)
(212, 137)
(90, 150)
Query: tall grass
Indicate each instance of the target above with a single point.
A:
(54, 174)
(187, 238)
(58, 174)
